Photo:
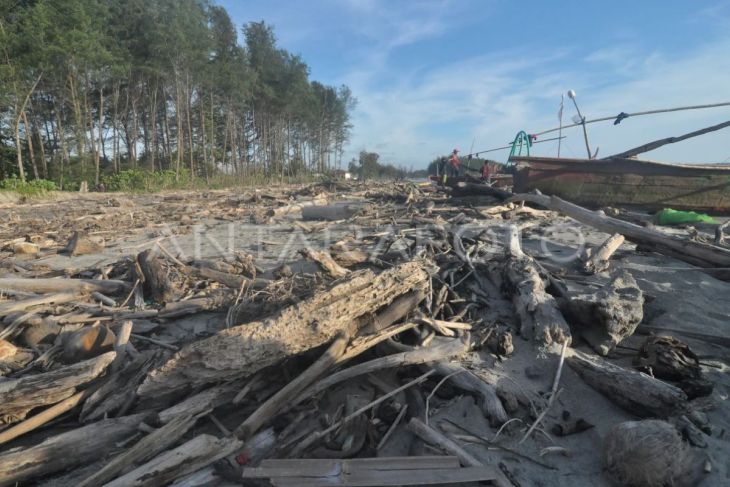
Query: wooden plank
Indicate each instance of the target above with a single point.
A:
(375, 478)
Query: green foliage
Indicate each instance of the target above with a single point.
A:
(136, 180)
(8, 159)
(168, 85)
(34, 187)
(369, 167)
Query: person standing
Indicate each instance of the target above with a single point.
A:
(455, 163)
(486, 172)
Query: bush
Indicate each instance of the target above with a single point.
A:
(136, 180)
(34, 187)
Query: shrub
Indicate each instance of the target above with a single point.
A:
(34, 187)
(136, 180)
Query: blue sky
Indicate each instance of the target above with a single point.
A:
(431, 75)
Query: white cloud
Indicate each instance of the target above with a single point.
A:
(428, 110)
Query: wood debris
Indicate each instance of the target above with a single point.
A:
(372, 334)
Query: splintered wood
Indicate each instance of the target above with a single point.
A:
(387, 333)
(245, 349)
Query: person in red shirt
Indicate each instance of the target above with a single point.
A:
(486, 172)
(455, 163)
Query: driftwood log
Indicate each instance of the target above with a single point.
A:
(436, 438)
(245, 349)
(272, 406)
(42, 418)
(232, 281)
(442, 351)
(183, 460)
(609, 315)
(325, 261)
(67, 450)
(297, 207)
(203, 401)
(19, 396)
(696, 253)
(539, 315)
(338, 211)
(397, 310)
(51, 285)
(24, 304)
(145, 449)
(157, 284)
(83, 245)
(468, 381)
(13, 358)
(214, 301)
(26, 248)
(118, 388)
(255, 450)
(458, 376)
(720, 233)
(599, 258)
(638, 393)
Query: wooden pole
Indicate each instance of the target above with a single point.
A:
(583, 125)
(696, 253)
(669, 140)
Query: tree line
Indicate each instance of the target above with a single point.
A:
(93, 87)
(368, 166)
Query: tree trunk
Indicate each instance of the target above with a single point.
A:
(29, 141)
(97, 150)
(21, 111)
(153, 127)
(19, 151)
(191, 144)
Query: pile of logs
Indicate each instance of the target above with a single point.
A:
(345, 364)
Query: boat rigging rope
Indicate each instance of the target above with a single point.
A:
(616, 118)
(621, 116)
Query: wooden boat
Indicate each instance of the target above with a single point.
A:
(627, 182)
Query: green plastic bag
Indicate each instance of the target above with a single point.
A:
(669, 216)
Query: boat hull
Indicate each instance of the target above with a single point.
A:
(648, 185)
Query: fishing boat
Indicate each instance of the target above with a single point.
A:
(627, 182)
